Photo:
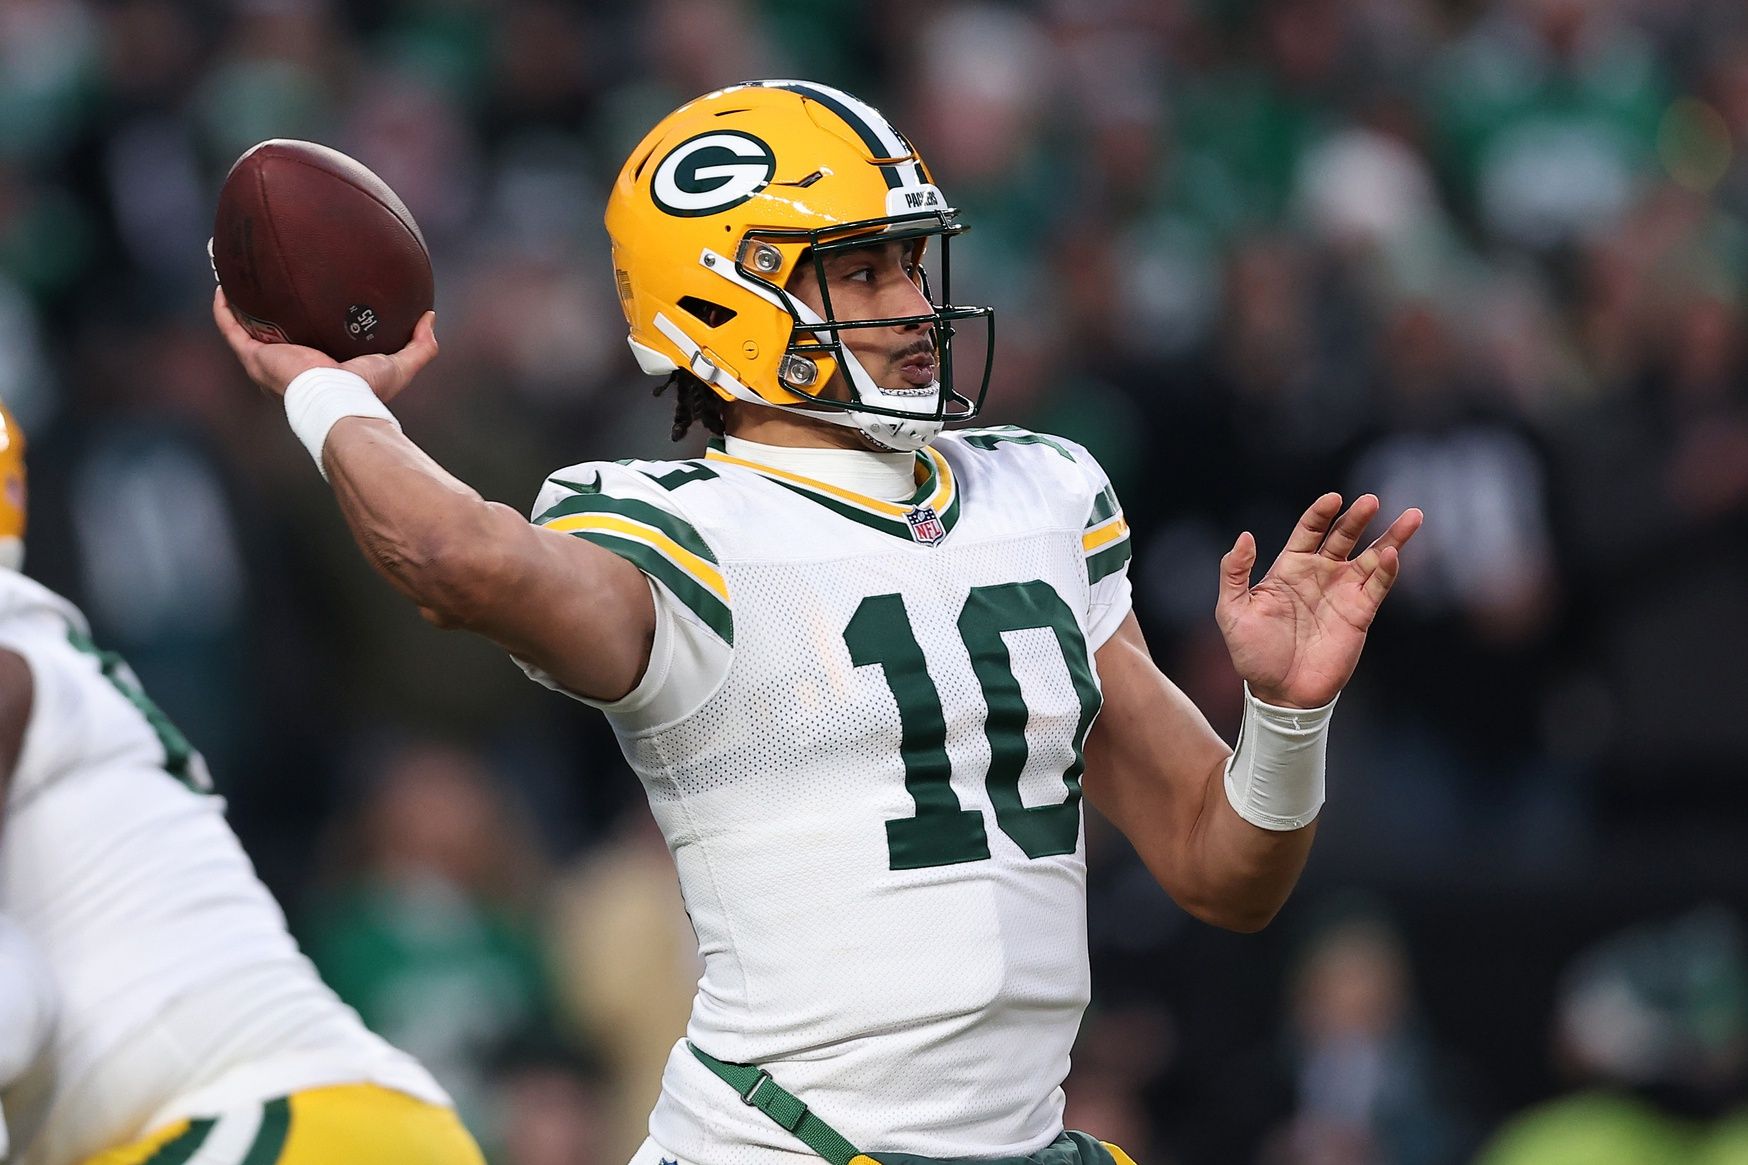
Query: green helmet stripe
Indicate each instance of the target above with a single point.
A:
(863, 129)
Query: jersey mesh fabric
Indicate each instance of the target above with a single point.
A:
(947, 996)
(924, 1010)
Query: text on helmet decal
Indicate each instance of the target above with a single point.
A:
(712, 172)
(911, 199)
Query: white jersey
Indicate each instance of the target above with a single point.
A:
(861, 734)
(181, 992)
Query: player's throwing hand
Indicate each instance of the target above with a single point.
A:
(274, 366)
(1296, 635)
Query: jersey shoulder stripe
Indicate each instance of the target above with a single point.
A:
(591, 503)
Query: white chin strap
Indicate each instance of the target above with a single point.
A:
(11, 554)
(897, 433)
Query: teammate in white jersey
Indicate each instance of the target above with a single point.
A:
(859, 663)
(152, 1005)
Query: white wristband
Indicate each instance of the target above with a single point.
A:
(319, 398)
(1274, 778)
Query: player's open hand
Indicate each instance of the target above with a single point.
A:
(275, 366)
(1296, 635)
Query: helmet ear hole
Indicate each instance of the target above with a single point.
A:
(712, 315)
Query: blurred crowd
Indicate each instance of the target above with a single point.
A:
(1486, 257)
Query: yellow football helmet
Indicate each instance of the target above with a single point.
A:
(12, 507)
(717, 208)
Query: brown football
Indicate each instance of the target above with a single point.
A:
(312, 248)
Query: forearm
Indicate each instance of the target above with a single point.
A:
(1157, 769)
(1248, 844)
(1259, 808)
(425, 531)
(1216, 865)
(579, 613)
(412, 519)
(1235, 874)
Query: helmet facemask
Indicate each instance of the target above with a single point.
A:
(904, 418)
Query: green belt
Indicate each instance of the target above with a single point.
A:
(759, 1091)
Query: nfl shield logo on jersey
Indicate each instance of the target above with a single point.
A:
(925, 525)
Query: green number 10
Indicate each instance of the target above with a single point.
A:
(942, 833)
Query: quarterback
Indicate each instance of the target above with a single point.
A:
(865, 669)
(152, 1006)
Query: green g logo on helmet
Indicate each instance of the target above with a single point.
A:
(712, 172)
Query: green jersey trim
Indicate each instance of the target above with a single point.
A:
(1104, 508)
(1107, 561)
(988, 438)
(926, 517)
(590, 500)
(1106, 538)
(658, 542)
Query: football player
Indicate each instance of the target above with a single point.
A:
(865, 668)
(153, 1007)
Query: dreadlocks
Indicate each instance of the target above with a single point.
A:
(694, 402)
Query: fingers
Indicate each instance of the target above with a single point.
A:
(237, 336)
(422, 348)
(1401, 530)
(1314, 525)
(1383, 574)
(1345, 534)
(388, 375)
(1235, 568)
(1381, 564)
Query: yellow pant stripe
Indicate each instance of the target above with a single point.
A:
(353, 1124)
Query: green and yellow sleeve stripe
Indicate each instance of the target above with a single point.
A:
(1106, 539)
(658, 542)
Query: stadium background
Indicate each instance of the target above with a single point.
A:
(1482, 257)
